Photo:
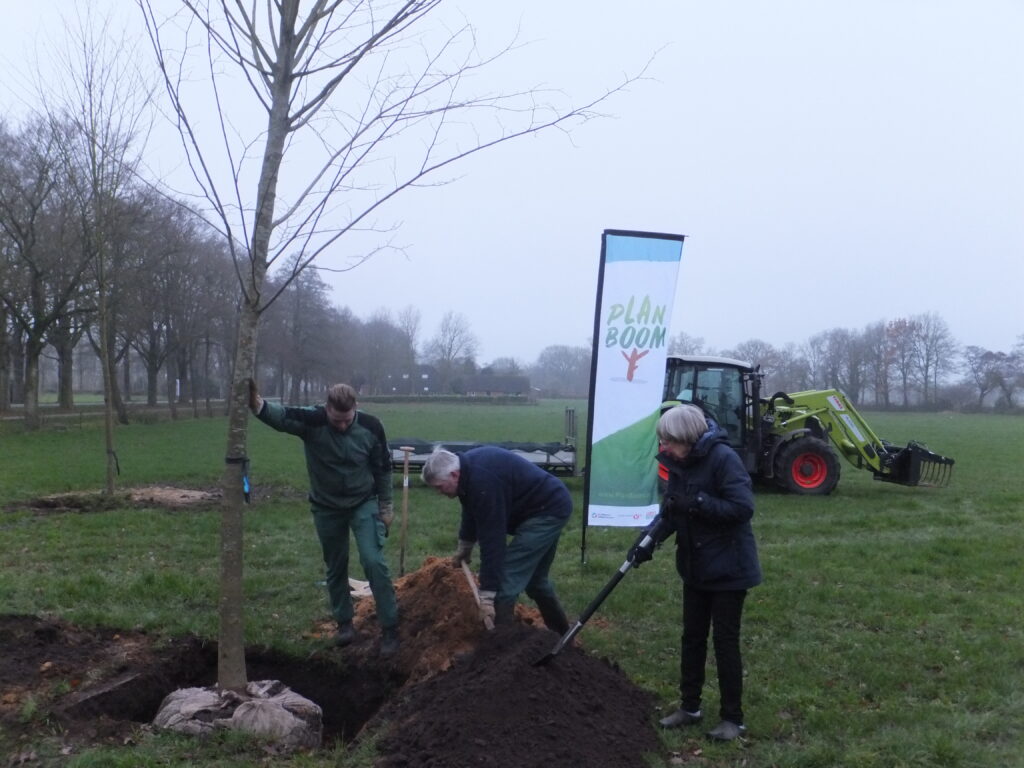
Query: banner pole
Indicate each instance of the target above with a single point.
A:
(590, 399)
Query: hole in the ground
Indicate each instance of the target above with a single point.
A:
(349, 695)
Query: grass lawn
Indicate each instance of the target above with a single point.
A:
(888, 631)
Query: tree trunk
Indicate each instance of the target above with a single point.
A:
(65, 373)
(109, 377)
(231, 673)
(152, 382)
(184, 385)
(18, 367)
(31, 392)
(126, 376)
(172, 388)
(206, 378)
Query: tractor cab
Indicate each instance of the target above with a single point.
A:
(726, 389)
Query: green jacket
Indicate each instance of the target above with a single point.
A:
(345, 468)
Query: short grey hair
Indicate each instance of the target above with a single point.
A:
(439, 465)
(682, 424)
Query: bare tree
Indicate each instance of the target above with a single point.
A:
(562, 371)
(379, 107)
(877, 362)
(903, 339)
(792, 371)
(935, 353)
(42, 277)
(5, 344)
(756, 352)
(507, 366)
(102, 98)
(984, 370)
(409, 323)
(684, 344)
(384, 353)
(452, 346)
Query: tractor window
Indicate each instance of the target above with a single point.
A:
(721, 392)
(679, 383)
(717, 389)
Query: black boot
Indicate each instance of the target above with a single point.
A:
(552, 613)
(504, 613)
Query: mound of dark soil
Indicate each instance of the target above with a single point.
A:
(495, 708)
(454, 696)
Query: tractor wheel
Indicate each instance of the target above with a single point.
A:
(807, 465)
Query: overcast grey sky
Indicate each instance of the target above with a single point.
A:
(833, 164)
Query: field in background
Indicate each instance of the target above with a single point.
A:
(887, 632)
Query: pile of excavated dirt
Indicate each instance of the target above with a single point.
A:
(439, 621)
(455, 695)
(495, 707)
(492, 705)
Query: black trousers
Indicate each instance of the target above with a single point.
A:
(719, 612)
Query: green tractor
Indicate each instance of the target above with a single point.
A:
(795, 439)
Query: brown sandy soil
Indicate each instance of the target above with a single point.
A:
(455, 695)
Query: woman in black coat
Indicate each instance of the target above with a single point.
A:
(710, 502)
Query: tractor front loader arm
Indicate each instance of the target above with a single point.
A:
(830, 415)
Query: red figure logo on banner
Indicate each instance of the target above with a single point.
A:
(632, 359)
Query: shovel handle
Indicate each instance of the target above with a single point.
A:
(648, 540)
(488, 624)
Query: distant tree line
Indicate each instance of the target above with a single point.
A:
(906, 363)
(167, 283)
(168, 286)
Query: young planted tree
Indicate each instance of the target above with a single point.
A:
(98, 109)
(378, 99)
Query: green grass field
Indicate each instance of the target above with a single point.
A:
(888, 631)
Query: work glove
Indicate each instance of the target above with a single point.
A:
(487, 605)
(255, 401)
(638, 554)
(386, 513)
(463, 553)
(641, 554)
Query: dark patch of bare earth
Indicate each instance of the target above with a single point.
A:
(454, 696)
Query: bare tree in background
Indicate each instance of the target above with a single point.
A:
(409, 320)
(878, 362)
(454, 343)
(374, 95)
(562, 371)
(935, 353)
(685, 344)
(38, 282)
(98, 108)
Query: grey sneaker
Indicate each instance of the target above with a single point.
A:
(345, 635)
(680, 717)
(389, 641)
(726, 731)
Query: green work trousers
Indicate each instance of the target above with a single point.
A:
(332, 526)
(528, 558)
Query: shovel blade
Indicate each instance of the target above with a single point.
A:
(562, 642)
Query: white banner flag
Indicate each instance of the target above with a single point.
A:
(636, 290)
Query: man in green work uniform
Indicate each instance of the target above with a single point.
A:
(349, 465)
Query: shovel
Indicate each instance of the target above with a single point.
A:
(488, 624)
(647, 542)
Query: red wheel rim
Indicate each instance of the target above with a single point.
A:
(809, 470)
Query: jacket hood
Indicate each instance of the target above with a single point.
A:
(714, 434)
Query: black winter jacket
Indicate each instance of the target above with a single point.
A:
(715, 545)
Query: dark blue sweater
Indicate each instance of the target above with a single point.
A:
(499, 490)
